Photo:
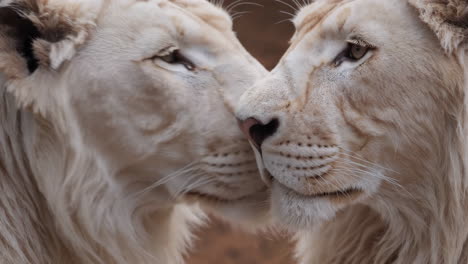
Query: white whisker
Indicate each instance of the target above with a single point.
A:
(356, 172)
(287, 4)
(239, 15)
(287, 13)
(188, 182)
(366, 169)
(352, 173)
(244, 4)
(197, 184)
(233, 3)
(329, 182)
(298, 4)
(238, 3)
(360, 158)
(284, 20)
(218, 3)
(182, 171)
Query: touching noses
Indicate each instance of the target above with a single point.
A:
(256, 131)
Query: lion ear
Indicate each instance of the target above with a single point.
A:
(448, 19)
(39, 33)
(37, 37)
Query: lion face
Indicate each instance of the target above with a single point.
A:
(174, 109)
(338, 121)
(150, 93)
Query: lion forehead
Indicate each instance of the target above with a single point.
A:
(209, 13)
(88, 11)
(313, 14)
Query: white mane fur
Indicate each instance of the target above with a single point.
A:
(82, 217)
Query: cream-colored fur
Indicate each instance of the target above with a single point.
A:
(369, 161)
(105, 140)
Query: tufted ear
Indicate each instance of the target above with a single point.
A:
(448, 19)
(40, 33)
(36, 38)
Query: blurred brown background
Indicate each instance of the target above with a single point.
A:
(267, 39)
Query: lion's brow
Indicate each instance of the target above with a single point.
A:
(207, 15)
(318, 15)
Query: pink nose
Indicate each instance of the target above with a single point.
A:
(256, 131)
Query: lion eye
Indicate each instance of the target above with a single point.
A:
(176, 57)
(357, 52)
(353, 53)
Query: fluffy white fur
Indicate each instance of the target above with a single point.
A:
(369, 160)
(103, 136)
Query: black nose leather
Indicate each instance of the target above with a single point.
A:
(256, 131)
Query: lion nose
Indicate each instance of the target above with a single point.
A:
(256, 131)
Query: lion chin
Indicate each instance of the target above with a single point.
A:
(117, 125)
(361, 131)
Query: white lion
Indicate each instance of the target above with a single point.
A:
(362, 126)
(111, 113)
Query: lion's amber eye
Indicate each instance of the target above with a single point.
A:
(357, 52)
(353, 52)
(176, 57)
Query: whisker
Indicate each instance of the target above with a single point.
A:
(298, 4)
(353, 173)
(233, 3)
(242, 4)
(303, 3)
(364, 168)
(181, 187)
(287, 4)
(182, 171)
(245, 4)
(282, 21)
(328, 182)
(356, 172)
(219, 3)
(337, 187)
(191, 180)
(187, 187)
(236, 4)
(360, 158)
(200, 182)
(378, 175)
(239, 15)
(287, 13)
(307, 2)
